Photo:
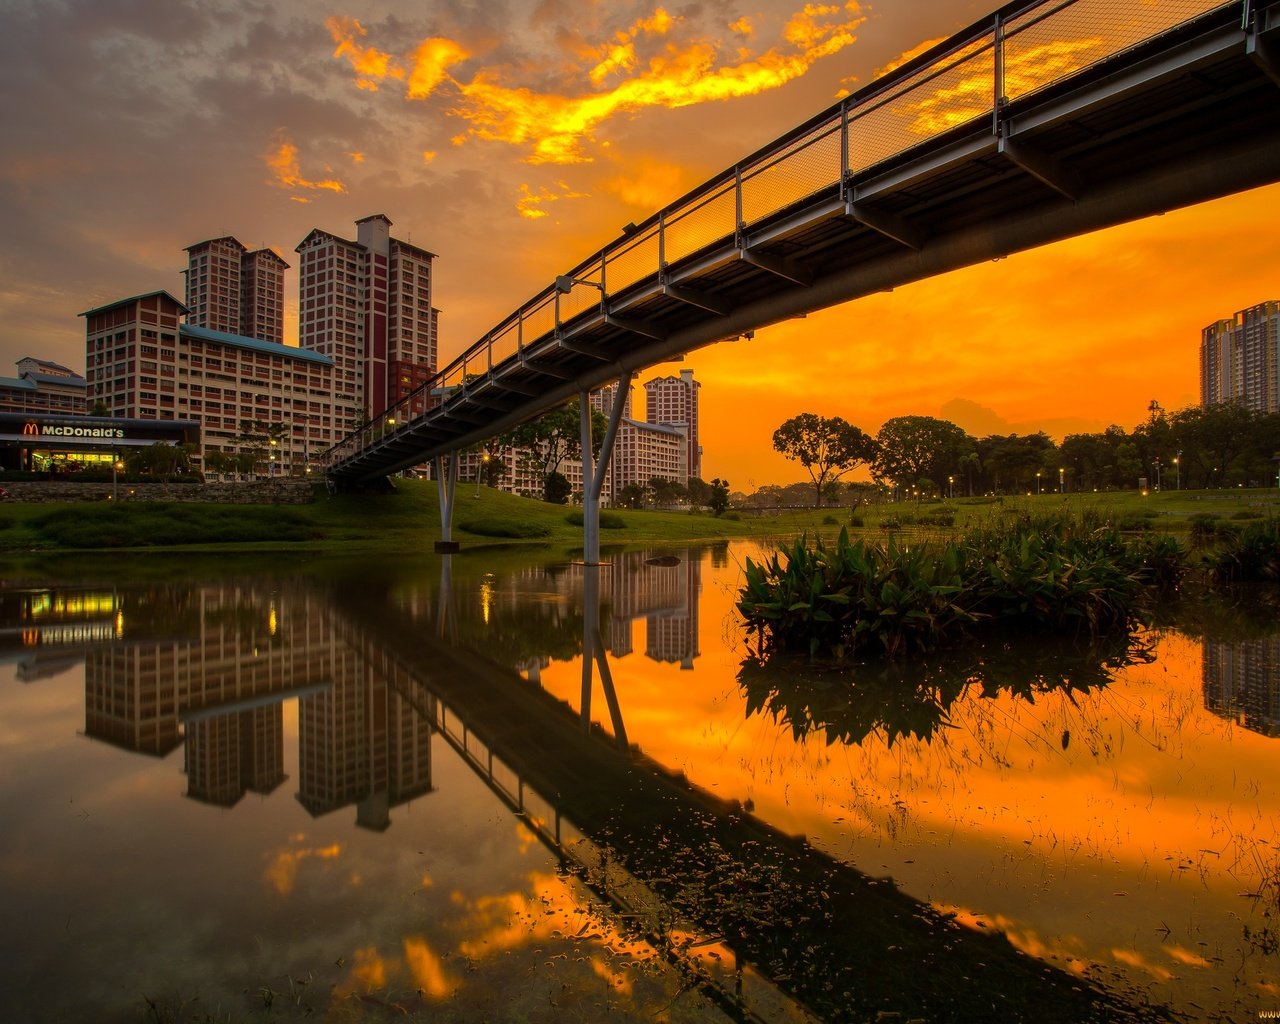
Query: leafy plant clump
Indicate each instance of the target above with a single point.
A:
(1251, 555)
(1068, 576)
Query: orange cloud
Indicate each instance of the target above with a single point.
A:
(651, 183)
(555, 125)
(907, 55)
(282, 872)
(431, 63)
(370, 64)
(283, 163)
(428, 970)
(529, 205)
(966, 91)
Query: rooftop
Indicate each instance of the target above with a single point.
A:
(255, 344)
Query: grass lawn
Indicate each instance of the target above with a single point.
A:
(408, 520)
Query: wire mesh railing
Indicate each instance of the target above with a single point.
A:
(957, 85)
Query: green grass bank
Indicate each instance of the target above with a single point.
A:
(408, 521)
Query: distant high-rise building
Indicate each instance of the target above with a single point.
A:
(673, 402)
(1240, 359)
(234, 290)
(366, 304)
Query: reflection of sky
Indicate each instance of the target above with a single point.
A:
(115, 886)
(1156, 812)
(1125, 848)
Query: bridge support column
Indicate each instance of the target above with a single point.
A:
(446, 488)
(593, 476)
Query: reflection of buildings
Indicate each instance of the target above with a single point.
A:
(1242, 683)
(665, 596)
(211, 667)
(48, 632)
(361, 742)
(229, 754)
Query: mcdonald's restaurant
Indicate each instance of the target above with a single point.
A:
(65, 445)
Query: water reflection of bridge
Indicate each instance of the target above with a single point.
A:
(788, 926)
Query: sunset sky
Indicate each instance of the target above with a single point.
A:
(515, 138)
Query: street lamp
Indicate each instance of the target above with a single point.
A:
(484, 461)
(1157, 472)
(116, 466)
(951, 487)
(1037, 482)
(1177, 466)
(1061, 472)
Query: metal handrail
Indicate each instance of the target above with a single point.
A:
(884, 96)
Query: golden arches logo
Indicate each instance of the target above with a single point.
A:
(31, 428)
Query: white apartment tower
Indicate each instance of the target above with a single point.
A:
(673, 402)
(366, 304)
(1240, 359)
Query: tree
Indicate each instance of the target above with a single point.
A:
(1016, 462)
(553, 437)
(719, 498)
(912, 447)
(256, 439)
(1216, 441)
(666, 492)
(633, 496)
(827, 447)
(556, 488)
(160, 460)
(699, 491)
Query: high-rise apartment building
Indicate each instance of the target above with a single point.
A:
(234, 290)
(673, 402)
(142, 363)
(1240, 359)
(367, 305)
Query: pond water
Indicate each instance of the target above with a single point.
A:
(398, 790)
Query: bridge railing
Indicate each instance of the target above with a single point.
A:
(954, 87)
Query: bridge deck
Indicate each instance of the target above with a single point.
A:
(870, 195)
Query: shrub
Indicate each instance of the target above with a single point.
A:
(518, 529)
(146, 524)
(734, 516)
(856, 521)
(608, 520)
(1245, 513)
(830, 520)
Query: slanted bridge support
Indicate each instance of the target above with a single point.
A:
(593, 476)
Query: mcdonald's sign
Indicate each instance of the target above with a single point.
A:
(31, 428)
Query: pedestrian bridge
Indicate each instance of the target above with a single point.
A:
(1048, 119)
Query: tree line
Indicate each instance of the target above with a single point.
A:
(1224, 445)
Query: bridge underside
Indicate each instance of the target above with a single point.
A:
(1192, 117)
